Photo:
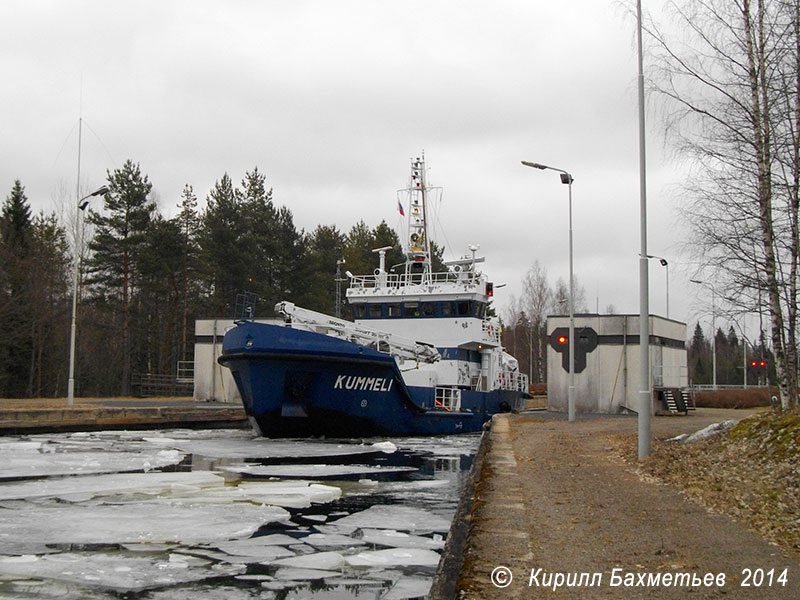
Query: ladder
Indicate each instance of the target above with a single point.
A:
(381, 341)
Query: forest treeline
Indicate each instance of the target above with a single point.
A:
(145, 278)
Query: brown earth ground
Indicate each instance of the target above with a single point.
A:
(572, 498)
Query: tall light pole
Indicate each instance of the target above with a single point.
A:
(664, 264)
(713, 328)
(567, 179)
(81, 207)
(645, 393)
(338, 278)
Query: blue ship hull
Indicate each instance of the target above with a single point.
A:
(299, 383)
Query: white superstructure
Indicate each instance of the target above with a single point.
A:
(447, 310)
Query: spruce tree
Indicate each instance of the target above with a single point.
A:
(15, 301)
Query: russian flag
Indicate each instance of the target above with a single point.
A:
(400, 208)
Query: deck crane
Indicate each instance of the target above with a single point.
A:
(399, 347)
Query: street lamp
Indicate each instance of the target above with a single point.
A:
(82, 204)
(567, 179)
(713, 328)
(664, 264)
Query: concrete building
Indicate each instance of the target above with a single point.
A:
(609, 379)
(212, 381)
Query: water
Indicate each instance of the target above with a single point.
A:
(180, 514)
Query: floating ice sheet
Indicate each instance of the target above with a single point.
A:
(332, 540)
(401, 518)
(82, 487)
(444, 446)
(328, 561)
(116, 571)
(313, 471)
(258, 447)
(18, 446)
(399, 539)
(34, 464)
(299, 494)
(151, 522)
(409, 587)
(206, 592)
(394, 557)
(299, 574)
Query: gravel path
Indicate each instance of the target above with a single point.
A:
(555, 496)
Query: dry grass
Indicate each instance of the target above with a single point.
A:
(749, 398)
(750, 473)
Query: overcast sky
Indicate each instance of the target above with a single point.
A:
(330, 99)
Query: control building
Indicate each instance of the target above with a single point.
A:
(607, 364)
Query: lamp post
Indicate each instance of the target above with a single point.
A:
(713, 328)
(664, 264)
(81, 207)
(567, 179)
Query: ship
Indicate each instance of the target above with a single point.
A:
(421, 355)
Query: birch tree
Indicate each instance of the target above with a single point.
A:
(730, 72)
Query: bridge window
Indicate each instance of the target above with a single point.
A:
(429, 309)
(448, 309)
(464, 308)
(359, 311)
(411, 309)
(375, 311)
(393, 310)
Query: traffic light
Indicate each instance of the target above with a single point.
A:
(489, 289)
(585, 342)
(758, 369)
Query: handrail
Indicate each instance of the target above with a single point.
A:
(407, 279)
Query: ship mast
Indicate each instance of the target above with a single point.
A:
(419, 245)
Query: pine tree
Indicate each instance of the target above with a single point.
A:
(120, 236)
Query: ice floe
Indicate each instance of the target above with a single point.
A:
(332, 540)
(263, 448)
(30, 464)
(322, 471)
(397, 517)
(135, 523)
(115, 571)
(394, 557)
(409, 587)
(89, 486)
(300, 494)
(328, 561)
(399, 539)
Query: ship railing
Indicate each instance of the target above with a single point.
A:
(512, 380)
(406, 279)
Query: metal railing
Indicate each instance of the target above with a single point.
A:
(512, 380)
(403, 280)
(146, 385)
(185, 371)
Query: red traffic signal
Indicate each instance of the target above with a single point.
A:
(562, 339)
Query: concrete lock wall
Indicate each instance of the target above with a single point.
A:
(212, 381)
(610, 381)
